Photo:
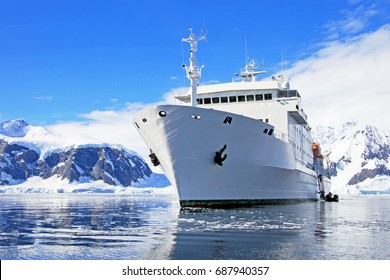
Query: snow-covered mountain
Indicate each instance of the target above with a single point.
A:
(28, 153)
(21, 128)
(357, 158)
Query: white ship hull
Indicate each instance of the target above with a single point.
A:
(259, 168)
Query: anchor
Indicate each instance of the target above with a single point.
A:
(218, 158)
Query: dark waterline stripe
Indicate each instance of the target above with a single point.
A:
(241, 203)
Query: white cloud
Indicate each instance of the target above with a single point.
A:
(115, 127)
(110, 126)
(169, 97)
(44, 98)
(347, 80)
(352, 21)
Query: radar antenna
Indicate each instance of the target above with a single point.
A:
(193, 72)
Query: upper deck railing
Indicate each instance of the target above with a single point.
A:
(248, 73)
(285, 93)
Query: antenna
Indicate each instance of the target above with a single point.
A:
(203, 31)
(246, 52)
(283, 62)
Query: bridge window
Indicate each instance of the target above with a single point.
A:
(207, 101)
(259, 97)
(250, 98)
(268, 96)
(215, 99)
(224, 99)
(232, 99)
(241, 98)
(200, 101)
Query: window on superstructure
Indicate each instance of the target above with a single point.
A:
(200, 101)
(259, 97)
(250, 98)
(228, 120)
(224, 99)
(232, 99)
(215, 99)
(207, 101)
(266, 120)
(268, 96)
(241, 98)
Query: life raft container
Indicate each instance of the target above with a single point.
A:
(316, 150)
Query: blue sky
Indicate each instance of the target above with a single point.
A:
(66, 61)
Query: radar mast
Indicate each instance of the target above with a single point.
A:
(193, 72)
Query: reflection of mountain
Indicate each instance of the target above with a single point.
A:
(270, 232)
(27, 151)
(304, 231)
(87, 227)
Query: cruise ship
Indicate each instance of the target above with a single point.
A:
(241, 143)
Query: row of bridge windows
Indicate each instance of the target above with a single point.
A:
(233, 99)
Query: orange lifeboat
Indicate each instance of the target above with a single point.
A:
(316, 150)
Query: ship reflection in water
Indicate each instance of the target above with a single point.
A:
(125, 227)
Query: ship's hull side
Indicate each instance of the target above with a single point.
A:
(258, 169)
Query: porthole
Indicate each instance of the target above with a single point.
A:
(144, 120)
(162, 114)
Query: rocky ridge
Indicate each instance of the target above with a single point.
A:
(21, 160)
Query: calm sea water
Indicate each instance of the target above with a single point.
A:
(103, 226)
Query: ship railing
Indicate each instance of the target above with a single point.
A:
(281, 136)
(303, 114)
(236, 78)
(286, 93)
